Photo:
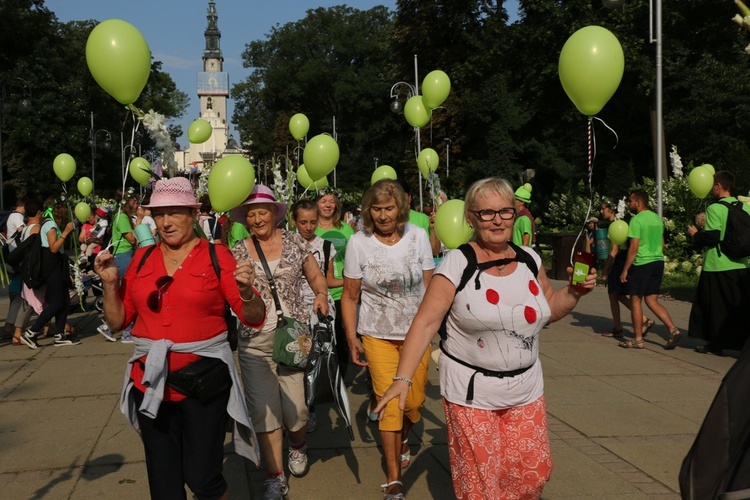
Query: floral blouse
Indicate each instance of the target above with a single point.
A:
(288, 275)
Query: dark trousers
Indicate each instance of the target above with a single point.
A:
(56, 299)
(184, 444)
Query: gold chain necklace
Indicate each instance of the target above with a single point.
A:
(180, 258)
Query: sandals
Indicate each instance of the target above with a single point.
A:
(405, 457)
(614, 334)
(674, 339)
(392, 496)
(647, 325)
(632, 344)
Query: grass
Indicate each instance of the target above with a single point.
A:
(680, 286)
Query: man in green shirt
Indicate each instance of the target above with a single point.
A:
(721, 299)
(644, 269)
(523, 227)
(422, 220)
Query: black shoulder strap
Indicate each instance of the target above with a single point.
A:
(145, 256)
(214, 260)
(472, 267)
(326, 255)
(269, 276)
(524, 256)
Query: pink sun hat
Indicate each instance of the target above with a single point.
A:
(259, 194)
(176, 192)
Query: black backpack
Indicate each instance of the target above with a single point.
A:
(33, 261)
(736, 242)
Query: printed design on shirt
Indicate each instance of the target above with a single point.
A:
(394, 278)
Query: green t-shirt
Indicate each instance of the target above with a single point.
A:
(716, 219)
(521, 226)
(236, 233)
(339, 238)
(420, 220)
(648, 229)
(121, 225)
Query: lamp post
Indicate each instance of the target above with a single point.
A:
(396, 107)
(447, 157)
(92, 142)
(23, 106)
(125, 148)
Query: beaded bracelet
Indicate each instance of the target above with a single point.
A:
(405, 379)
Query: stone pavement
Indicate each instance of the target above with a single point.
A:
(620, 420)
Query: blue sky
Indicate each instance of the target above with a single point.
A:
(174, 31)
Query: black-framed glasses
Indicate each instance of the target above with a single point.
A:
(488, 215)
(153, 301)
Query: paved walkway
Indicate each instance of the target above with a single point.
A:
(620, 420)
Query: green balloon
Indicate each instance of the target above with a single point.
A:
(199, 131)
(308, 182)
(298, 126)
(451, 225)
(590, 67)
(321, 156)
(709, 167)
(416, 113)
(64, 167)
(140, 170)
(427, 161)
(82, 211)
(85, 186)
(119, 59)
(618, 232)
(700, 181)
(383, 172)
(230, 181)
(435, 88)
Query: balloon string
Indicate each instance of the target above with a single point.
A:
(591, 150)
(617, 139)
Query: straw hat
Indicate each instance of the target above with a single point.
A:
(176, 192)
(259, 194)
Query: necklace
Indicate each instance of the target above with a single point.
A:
(178, 259)
(386, 239)
(270, 241)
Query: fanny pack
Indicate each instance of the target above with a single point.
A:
(204, 379)
(483, 371)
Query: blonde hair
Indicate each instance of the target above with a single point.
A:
(379, 192)
(484, 187)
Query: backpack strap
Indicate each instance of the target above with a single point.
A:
(326, 255)
(472, 267)
(214, 260)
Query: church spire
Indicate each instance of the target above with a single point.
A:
(213, 35)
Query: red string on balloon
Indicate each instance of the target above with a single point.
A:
(591, 149)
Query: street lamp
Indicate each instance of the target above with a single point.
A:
(92, 142)
(396, 107)
(447, 157)
(23, 106)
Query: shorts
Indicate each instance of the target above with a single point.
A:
(383, 357)
(645, 279)
(614, 285)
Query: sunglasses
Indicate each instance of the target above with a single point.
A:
(154, 298)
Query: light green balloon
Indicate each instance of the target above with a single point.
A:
(199, 131)
(700, 181)
(321, 156)
(590, 67)
(82, 211)
(230, 181)
(64, 167)
(427, 161)
(416, 113)
(383, 172)
(709, 167)
(307, 182)
(451, 225)
(119, 59)
(618, 232)
(298, 126)
(85, 186)
(435, 88)
(140, 170)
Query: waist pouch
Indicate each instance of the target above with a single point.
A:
(483, 371)
(203, 379)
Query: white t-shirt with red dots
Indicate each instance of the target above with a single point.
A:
(495, 327)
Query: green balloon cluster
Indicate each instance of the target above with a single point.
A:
(416, 113)
(427, 161)
(618, 232)
(383, 172)
(64, 167)
(590, 67)
(321, 156)
(140, 170)
(119, 59)
(451, 225)
(435, 88)
(199, 131)
(85, 186)
(308, 182)
(230, 181)
(701, 180)
(299, 126)
(82, 211)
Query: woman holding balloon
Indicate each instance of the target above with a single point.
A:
(490, 372)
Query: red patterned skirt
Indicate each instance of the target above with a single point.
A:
(498, 454)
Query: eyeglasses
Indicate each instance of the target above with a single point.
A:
(488, 215)
(153, 301)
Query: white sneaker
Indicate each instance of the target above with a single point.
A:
(106, 333)
(276, 488)
(298, 461)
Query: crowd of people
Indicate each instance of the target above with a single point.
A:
(177, 279)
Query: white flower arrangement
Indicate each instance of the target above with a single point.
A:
(283, 189)
(676, 161)
(621, 208)
(669, 224)
(743, 19)
(686, 267)
(154, 123)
